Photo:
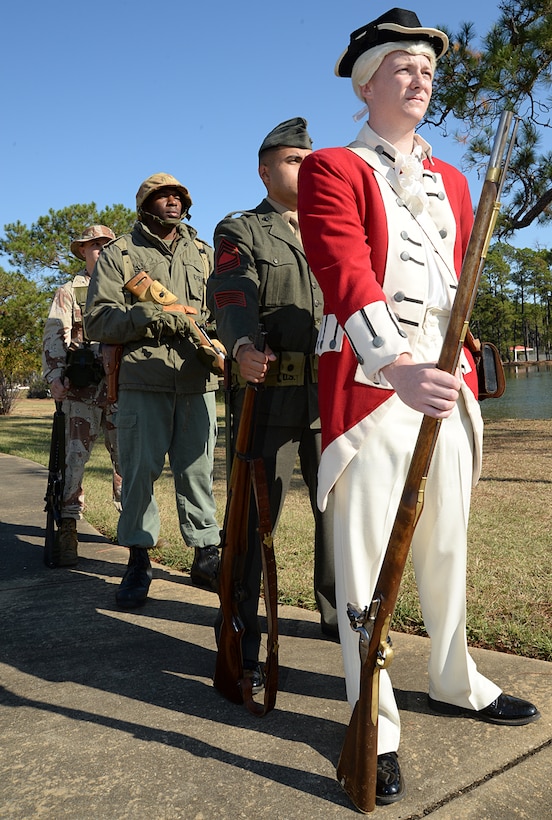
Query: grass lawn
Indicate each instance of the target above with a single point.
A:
(510, 560)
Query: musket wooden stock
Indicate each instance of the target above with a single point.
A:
(247, 474)
(357, 767)
(229, 662)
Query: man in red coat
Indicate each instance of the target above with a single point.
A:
(385, 227)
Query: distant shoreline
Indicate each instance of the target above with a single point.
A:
(519, 363)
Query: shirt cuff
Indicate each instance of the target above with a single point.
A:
(377, 340)
(243, 340)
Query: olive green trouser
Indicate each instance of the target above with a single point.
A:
(150, 426)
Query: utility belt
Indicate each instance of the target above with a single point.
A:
(289, 370)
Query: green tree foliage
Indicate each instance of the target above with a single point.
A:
(493, 316)
(42, 251)
(532, 280)
(509, 68)
(23, 307)
(514, 301)
(42, 256)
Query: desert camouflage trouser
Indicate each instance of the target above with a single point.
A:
(83, 423)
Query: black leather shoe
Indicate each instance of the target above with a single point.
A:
(133, 589)
(254, 671)
(506, 710)
(205, 568)
(390, 786)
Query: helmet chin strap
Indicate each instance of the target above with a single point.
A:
(166, 223)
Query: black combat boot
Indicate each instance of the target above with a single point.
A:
(133, 589)
(205, 568)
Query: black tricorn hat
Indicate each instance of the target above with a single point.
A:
(396, 25)
(292, 133)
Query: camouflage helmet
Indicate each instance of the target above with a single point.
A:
(88, 235)
(157, 181)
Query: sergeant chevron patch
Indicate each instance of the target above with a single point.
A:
(229, 297)
(228, 257)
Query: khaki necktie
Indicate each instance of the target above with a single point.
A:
(294, 225)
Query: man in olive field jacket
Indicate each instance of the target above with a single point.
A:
(166, 394)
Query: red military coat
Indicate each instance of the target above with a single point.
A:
(366, 249)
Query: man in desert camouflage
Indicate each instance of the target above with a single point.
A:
(72, 366)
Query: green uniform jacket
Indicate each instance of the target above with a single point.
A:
(262, 275)
(152, 359)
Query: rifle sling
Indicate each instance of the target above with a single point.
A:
(260, 488)
(226, 678)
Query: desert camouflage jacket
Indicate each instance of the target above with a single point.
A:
(64, 330)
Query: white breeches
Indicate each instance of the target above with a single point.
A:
(367, 495)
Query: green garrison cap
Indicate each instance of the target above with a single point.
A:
(292, 133)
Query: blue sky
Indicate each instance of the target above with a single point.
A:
(98, 96)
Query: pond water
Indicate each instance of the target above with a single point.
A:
(528, 394)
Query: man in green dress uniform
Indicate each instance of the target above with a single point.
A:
(262, 276)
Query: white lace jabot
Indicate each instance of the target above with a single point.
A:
(409, 170)
(407, 167)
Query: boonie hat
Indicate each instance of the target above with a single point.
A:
(394, 26)
(292, 133)
(93, 232)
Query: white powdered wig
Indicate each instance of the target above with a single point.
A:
(368, 63)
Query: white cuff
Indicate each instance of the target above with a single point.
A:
(377, 340)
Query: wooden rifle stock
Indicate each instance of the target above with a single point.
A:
(357, 766)
(246, 473)
(54, 489)
(229, 663)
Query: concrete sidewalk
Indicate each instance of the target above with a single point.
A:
(112, 714)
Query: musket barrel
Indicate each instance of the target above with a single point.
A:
(499, 144)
